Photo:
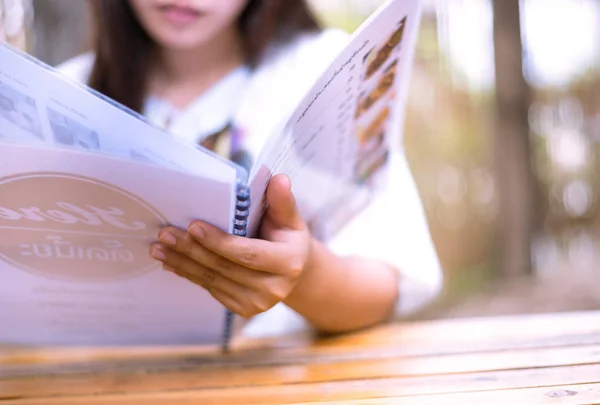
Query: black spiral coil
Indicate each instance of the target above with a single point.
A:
(240, 225)
(242, 210)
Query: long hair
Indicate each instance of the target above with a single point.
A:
(123, 49)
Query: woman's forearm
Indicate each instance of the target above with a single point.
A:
(339, 294)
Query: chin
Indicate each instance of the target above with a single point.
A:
(179, 46)
(180, 43)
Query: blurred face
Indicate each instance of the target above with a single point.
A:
(186, 24)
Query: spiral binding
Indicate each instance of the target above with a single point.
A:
(240, 225)
(242, 210)
(227, 330)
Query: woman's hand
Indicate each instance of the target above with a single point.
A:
(248, 276)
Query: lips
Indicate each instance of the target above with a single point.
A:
(180, 15)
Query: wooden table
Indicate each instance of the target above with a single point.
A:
(545, 359)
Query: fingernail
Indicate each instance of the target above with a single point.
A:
(167, 238)
(196, 231)
(168, 268)
(157, 253)
(289, 183)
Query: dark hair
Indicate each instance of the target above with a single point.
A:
(123, 49)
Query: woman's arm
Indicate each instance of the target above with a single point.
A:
(339, 294)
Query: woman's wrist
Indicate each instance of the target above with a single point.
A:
(338, 294)
(304, 284)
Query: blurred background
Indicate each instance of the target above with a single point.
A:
(502, 134)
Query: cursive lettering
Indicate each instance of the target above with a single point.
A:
(11, 215)
(111, 215)
(72, 214)
(32, 214)
(36, 214)
(88, 218)
(61, 217)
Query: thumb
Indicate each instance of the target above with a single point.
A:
(282, 209)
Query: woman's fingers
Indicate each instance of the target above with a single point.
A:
(229, 254)
(238, 298)
(181, 242)
(229, 302)
(197, 273)
(283, 210)
(257, 254)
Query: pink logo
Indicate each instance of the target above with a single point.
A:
(77, 228)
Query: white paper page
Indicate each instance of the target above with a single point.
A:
(75, 232)
(336, 152)
(38, 104)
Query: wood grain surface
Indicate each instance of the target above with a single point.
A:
(546, 359)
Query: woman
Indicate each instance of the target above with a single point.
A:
(222, 73)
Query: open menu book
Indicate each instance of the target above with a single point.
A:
(85, 185)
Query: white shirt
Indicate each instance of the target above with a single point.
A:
(392, 228)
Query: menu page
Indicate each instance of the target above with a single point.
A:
(75, 233)
(38, 105)
(337, 143)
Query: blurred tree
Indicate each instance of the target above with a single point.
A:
(60, 28)
(516, 182)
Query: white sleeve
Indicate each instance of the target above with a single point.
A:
(394, 229)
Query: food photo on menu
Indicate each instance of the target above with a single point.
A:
(68, 132)
(372, 115)
(20, 110)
